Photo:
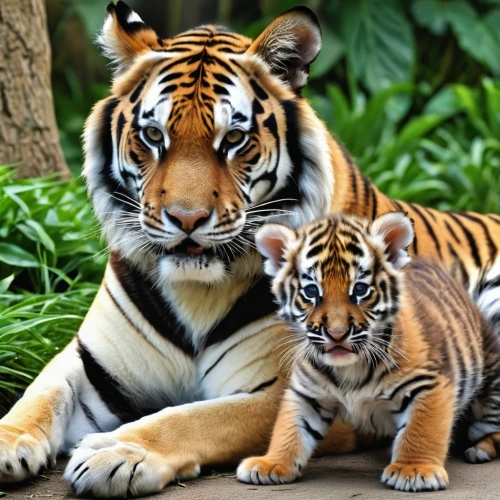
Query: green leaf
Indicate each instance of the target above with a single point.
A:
(431, 14)
(478, 37)
(15, 256)
(492, 91)
(379, 42)
(445, 102)
(35, 231)
(5, 283)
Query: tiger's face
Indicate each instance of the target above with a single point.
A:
(337, 281)
(202, 139)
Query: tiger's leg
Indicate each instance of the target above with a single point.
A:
(485, 450)
(422, 443)
(302, 423)
(144, 456)
(485, 430)
(34, 430)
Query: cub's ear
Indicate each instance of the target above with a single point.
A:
(272, 241)
(394, 232)
(289, 45)
(125, 36)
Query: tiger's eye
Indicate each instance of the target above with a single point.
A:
(311, 291)
(154, 134)
(360, 288)
(234, 136)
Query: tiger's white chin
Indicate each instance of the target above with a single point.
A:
(199, 268)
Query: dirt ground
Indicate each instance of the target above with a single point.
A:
(350, 476)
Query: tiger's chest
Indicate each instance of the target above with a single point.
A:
(371, 415)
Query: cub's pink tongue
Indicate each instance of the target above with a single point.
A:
(194, 249)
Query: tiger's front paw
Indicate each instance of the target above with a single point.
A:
(104, 466)
(22, 455)
(415, 477)
(266, 470)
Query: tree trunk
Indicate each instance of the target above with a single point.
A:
(28, 130)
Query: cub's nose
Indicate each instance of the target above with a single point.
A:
(339, 334)
(187, 221)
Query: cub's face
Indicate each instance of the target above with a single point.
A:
(338, 282)
(200, 142)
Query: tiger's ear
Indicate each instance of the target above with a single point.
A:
(124, 36)
(394, 232)
(289, 45)
(272, 241)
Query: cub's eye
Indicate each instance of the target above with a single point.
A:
(311, 291)
(153, 134)
(360, 288)
(234, 136)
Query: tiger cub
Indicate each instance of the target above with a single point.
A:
(395, 352)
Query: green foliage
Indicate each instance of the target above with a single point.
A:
(382, 42)
(448, 157)
(73, 103)
(477, 35)
(49, 272)
(380, 46)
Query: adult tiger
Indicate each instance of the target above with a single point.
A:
(202, 135)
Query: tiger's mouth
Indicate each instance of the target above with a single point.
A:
(186, 248)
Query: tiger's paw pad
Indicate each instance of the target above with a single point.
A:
(22, 455)
(262, 470)
(480, 454)
(103, 466)
(415, 477)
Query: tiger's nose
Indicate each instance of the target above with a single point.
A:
(339, 334)
(187, 221)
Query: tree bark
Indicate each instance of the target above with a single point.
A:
(28, 130)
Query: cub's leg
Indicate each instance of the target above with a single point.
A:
(485, 430)
(33, 432)
(421, 445)
(302, 423)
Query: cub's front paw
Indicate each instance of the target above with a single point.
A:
(104, 466)
(22, 455)
(266, 470)
(415, 477)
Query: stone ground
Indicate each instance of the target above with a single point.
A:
(350, 476)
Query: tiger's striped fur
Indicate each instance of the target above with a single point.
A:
(204, 137)
(394, 352)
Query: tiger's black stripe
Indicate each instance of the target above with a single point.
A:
(429, 228)
(256, 303)
(90, 416)
(110, 390)
(316, 435)
(407, 400)
(418, 378)
(492, 248)
(291, 190)
(470, 239)
(264, 385)
(127, 318)
(151, 304)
